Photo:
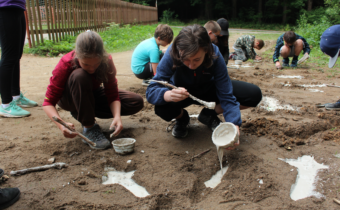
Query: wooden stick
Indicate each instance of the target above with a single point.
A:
(199, 155)
(209, 105)
(336, 201)
(333, 86)
(39, 168)
(71, 129)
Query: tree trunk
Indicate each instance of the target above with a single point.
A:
(284, 16)
(208, 10)
(234, 9)
(260, 11)
(310, 3)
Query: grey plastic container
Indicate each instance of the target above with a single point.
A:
(124, 146)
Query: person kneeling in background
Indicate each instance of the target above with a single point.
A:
(146, 56)
(288, 45)
(244, 48)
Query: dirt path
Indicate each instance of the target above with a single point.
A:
(165, 169)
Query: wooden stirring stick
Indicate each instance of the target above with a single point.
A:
(71, 129)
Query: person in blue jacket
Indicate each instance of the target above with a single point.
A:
(330, 45)
(196, 65)
(288, 45)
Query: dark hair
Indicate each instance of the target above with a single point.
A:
(189, 40)
(261, 43)
(289, 37)
(164, 32)
(88, 45)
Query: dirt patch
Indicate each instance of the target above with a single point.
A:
(164, 167)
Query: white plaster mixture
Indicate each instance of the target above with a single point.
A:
(125, 179)
(272, 104)
(307, 169)
(216, 179)
(290, 76)
(224, 136)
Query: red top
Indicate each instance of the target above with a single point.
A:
(64, 69)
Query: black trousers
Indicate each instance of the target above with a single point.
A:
(85, 104)
(12, 39)
(246, 94)
(148, 72)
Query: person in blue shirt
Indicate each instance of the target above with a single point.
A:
(196, 66)
(147, 55)
(288, 45)
(330, 45)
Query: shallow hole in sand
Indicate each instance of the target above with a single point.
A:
(216, 179)
(272, 104)
(290, 76)
(307, 169)
(124, 179)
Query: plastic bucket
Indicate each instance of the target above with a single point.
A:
(124, 146)
(225, 135)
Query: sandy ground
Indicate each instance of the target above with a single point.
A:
(165, 168)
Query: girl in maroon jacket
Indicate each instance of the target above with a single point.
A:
(76, 87)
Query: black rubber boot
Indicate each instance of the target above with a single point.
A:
(8, 196)
(180, 130)
(209, 118)
(1, 172)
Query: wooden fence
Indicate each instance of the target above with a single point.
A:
(58, 18)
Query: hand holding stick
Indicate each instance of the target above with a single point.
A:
(71, 129)
(209, 105)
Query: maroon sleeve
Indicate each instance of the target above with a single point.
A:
(58, 80)
(111, 86)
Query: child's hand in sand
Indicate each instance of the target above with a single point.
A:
(278, 65)
(238, 139)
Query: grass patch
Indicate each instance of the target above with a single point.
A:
(116, 39)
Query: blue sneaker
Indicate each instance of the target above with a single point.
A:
(285, 62)
(13, 111)
(25, 102)
(335, 106)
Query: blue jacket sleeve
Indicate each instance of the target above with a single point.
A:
(155, 91)
(279, 44)
(224, 88)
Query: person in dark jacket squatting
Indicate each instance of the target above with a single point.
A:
(196, 66)
(330, 45)
(288, 45)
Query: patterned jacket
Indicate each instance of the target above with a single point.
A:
(280, 43)
(246, 42)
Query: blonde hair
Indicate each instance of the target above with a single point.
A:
(212, 26)
(88, 45)
(164, 32)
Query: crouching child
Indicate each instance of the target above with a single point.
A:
(244, 48)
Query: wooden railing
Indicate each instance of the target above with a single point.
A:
(58, 18)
